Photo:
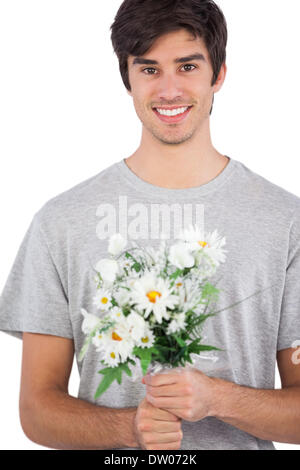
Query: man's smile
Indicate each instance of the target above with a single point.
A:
(172, 115)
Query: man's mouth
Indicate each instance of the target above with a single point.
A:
(172, 115)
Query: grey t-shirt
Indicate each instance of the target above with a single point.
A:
(53, 276)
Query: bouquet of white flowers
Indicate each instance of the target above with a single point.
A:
(152, 303)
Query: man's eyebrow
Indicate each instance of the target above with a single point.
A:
(180, 60)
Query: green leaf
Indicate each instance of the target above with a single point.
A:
(111, 374)
(189, 359)
(131, 362)
(180, 341)
(209, 290)
(126, 369)
(164, 353)
(190, 313)
(186, 271)
(203, 347)
(137, 267)
(162, 348)
(145, 355)
(176, 274)
(180, 354)
(126, 310)
(114, 302)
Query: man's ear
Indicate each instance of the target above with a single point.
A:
(221, 78)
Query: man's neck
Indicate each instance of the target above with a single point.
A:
(179, 172)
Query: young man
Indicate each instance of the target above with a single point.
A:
(172, 57)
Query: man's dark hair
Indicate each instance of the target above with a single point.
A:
(138, 23)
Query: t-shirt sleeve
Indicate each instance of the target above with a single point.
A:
(289, 327)
(33, 299)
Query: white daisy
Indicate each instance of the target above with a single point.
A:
(116, 315)
(153, 294)
(211, 243)
(102, 299)
(178, 284)
(111, 357)
(116, 339)
(147, 340)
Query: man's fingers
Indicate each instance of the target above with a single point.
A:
(167, 402)
(158, 414)
(161, 379)
(174, 390)
(154, 425)
(163, 415)
(162, 437)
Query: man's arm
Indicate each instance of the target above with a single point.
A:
(267, 414)
(272, 415)
(52, 418)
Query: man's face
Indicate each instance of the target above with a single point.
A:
(170, 84)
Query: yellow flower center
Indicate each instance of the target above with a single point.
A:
(113, 355)
(116, 337)
(203, 244)
(152, 296)
(179, 284)
(104, 300)
(99, 336)
(145, 340)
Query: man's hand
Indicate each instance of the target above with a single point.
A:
(156, 429)
(187, 393)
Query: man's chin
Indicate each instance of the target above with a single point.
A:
(172, 140)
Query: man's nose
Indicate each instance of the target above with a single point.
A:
(169, 88)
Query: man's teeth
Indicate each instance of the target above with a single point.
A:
(173, 112)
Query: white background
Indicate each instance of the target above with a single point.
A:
(65, 115)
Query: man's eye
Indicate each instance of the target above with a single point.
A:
(152, 69)
(148, 69)
(189, 65)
